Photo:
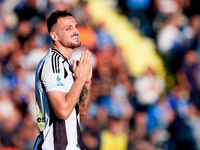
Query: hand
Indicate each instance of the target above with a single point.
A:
(83, 68)
(88, 80)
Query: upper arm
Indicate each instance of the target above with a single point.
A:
(58, 103)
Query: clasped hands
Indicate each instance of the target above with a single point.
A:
(83, 68)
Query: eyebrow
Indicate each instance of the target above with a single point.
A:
(70, 26)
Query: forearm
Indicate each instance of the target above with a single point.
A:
(75, 92)
(62, 103)
(84, 100)
(73, 95)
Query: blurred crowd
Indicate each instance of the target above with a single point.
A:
(147, 112)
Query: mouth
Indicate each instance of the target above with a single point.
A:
(75, 37)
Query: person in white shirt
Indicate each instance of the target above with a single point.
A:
(62, 90)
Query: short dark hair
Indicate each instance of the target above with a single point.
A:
(54, 17)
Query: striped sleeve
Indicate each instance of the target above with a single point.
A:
(53, 75)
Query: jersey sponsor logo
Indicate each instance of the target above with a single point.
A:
(40, 119)
(59, 82)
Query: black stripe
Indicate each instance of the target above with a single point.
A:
(39, 146)
(70, 68)
(40, 76)
(59, 131)
(40, 72)
(36, 141)
(58, 69)
(52, 62)
(60, 136)
(77, 109)
(55, 63)
(79, 136)
(65, 71)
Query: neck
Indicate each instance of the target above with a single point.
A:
(64, 51)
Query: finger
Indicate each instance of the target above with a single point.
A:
(87, 56)
(82, 57)
(74, 65)
(90, 60)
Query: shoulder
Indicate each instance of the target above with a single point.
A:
(53, 61)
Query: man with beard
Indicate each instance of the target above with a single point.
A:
(62, 90)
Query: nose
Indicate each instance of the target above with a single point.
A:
(76, 31)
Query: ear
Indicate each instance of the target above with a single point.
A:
(53, 36)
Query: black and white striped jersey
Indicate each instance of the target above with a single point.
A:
(54, 74)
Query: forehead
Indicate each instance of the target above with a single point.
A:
(66, 21)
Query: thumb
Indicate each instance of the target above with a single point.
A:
(74, 65)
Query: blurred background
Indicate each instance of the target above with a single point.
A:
(146, 73)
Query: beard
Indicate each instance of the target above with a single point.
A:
(71, 44)
(76, 45)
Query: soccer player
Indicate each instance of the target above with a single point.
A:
(62, 90)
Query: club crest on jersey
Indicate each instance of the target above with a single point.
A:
(59, 82)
